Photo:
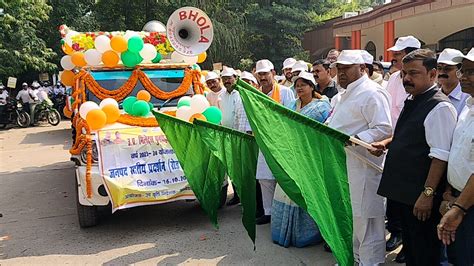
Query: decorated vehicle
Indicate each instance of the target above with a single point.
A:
(122, 157)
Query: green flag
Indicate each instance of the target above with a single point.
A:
(204, 171)
(308, 161)
(238, 152)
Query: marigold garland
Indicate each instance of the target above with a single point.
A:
(141, 121)
(81, 141)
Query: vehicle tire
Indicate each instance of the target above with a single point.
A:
(23, 119)
(54, 117)
(88, 215)
(223, 196)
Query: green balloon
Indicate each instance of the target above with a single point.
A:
(140, 108)
(135, 44)
(127, 104)
(151, 106)
(184, 102)
(157, 58)
(213, 115)
(130, 59)
(196, 67)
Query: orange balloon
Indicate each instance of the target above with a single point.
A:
(119, 44)
(78, 59)
(67, 49)
(112, 112)
(110, 58)
(197, 116)
(67, 78)
(202, 57)
(143, 95)
(96, 119)
(67, 112)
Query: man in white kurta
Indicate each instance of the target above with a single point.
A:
(283, 95)
(363, 111)
(213, 82)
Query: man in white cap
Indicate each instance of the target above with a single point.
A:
(402, 47)
(363, 111)
(283, 95)
(213, 82)
(287, 67)
(3, 98)
(298, 67)
(369, 67)
(457, 224)
(233, 113)
(249, 78)
(448, 79)
(28, 98)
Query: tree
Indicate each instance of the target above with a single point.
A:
(21, 48)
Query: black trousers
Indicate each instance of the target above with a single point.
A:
(420, 239)
(394, 223)
(260, 210)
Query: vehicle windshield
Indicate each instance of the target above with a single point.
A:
(167, 80)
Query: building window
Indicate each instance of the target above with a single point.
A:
(370, 47)
(462, 40)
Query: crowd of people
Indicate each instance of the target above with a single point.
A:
(419, 120)
(31, 96)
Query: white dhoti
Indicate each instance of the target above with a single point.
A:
(267, 183)
(369, 240)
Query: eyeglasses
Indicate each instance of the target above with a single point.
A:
(465, 72)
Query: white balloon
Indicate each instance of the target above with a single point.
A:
(66, 62)
(86, 108)
(199, 103)
(179, 58)
(93, 57)
(148, 52)
(108, 101)
(184, 113)
(129, 34)
(68, 37)
(102, 43)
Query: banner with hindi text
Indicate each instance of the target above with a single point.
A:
(139, 167)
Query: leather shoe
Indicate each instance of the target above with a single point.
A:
(400, 258)
(233, 201)
(264, 219)
(393, 242)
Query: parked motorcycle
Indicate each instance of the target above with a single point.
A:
(59, 101)
(45, 112)
(13, 113)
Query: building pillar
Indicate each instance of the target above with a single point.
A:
(337, 43)
(355, 39)
(389, 37)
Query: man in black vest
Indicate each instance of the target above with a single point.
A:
(415, 168)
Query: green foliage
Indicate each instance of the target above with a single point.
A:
(21, 46)
(244, 31)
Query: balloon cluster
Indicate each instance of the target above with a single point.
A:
(198, 107)
(98, 115)
(139, 105)
(111, 49)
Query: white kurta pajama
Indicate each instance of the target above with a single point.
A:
(214, 97)
(363, 110)
(264, 174)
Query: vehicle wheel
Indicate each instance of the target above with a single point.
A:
(88, 215)
(23, 119)
(54, 117)
(223, 197)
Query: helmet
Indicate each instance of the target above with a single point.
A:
(24, 84)
(2, 87)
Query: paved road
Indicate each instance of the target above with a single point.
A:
(39, 224)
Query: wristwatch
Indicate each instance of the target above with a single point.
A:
(429, 191)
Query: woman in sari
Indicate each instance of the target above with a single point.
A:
(290, 224)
